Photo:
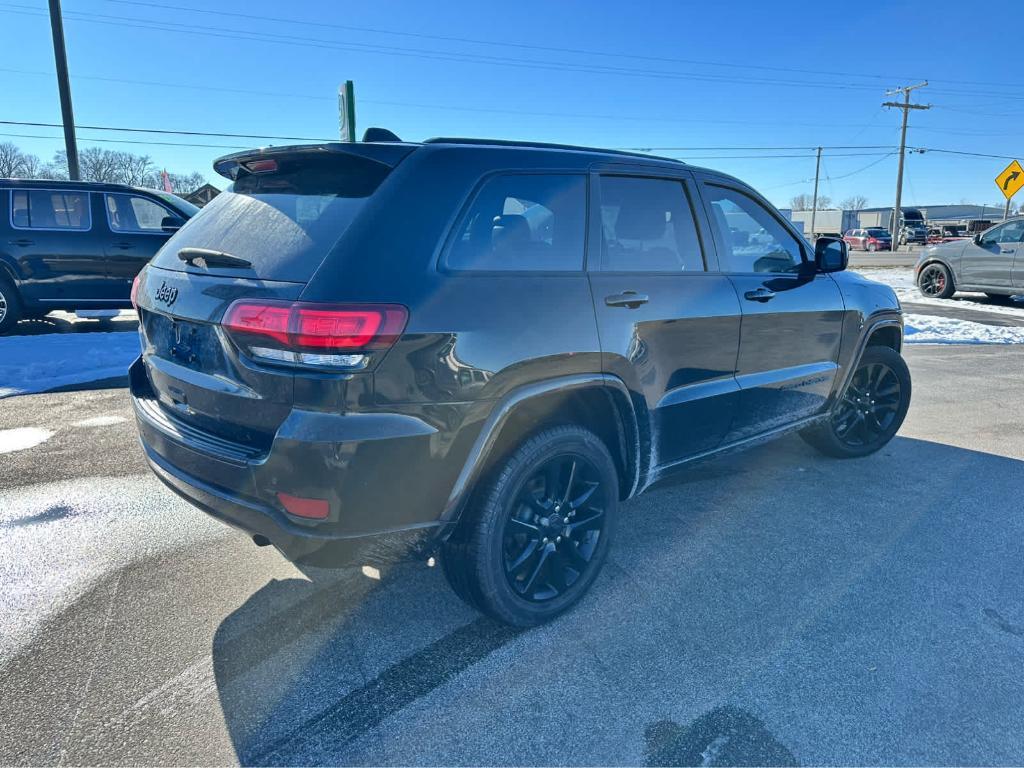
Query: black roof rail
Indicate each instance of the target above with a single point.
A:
(544, 145)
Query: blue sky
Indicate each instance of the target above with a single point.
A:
(644, 74)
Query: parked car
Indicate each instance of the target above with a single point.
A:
(870, 239)
(77, 245)
(370, 349)
(915, 232)
(991, 262)
(947, 234)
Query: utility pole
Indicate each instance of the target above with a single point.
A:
(906, 106)
(814, 203)
(64, 86)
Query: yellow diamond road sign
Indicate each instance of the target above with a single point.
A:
(1011, 179)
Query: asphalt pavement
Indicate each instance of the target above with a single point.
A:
(772, 607)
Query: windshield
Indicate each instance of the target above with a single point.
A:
(180, 203)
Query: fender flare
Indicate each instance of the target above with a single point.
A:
(884, 319)
(486, 440)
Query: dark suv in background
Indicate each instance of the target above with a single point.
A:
(482, 347)
(77, 245)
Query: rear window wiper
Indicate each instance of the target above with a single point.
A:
(204, 257)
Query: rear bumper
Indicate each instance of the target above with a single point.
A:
(382, 474)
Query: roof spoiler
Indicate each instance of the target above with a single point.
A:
(386, 152)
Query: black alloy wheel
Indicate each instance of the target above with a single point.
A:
(869, 407)
(872, 409)
(539, 528)
(935, 283)
(554, 528)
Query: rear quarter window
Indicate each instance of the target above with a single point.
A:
(523, 223)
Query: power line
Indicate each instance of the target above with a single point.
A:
(560, 66)
(477, 41)
(128, 141)
(547, 49)
(175, 133)
(443, 107)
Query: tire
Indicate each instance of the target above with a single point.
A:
(935, 281)
(880, 386)
(872, 247)
(10, 306)
(516, 515)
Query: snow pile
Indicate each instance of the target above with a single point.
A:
(902, 282)
(927, 329)
(22, 438)
(38, 363)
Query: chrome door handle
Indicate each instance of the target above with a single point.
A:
(23, 241)
(630, 299)
(1007, 250)
(761, 294)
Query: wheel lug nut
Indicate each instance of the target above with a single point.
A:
(558, 539)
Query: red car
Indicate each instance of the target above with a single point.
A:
(870, 239)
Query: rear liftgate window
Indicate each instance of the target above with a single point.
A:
(285, 221)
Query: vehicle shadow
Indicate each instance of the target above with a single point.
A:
(305, 669)
(66, 322)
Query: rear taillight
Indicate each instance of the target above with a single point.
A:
(135, 291)
(317, 335)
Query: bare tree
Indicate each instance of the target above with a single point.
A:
(183, 183)
(12, 160)
(800, 202)
(854, 203)
(133, 169)
(96, 164)
(806, 202)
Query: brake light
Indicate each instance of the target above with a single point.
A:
(260, 166)
(318, 335)
(135, 292)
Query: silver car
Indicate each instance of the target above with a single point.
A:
(992, 262)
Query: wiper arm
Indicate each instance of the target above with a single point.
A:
(204, 257)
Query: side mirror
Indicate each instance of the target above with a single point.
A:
(831, 254)
(171, 223)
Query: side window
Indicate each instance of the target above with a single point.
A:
(647, 226)
(132, 213)
(50, 209)
(523, 222)
(1012, 232)
(750, 238)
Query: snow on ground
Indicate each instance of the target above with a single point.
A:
(38, 363)
(22, 438)
(927, 329)
(902, 281)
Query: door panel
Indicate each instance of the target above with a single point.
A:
(792, 317)
(57, 244)
(668, 329)
(134, 238)
(990, 261)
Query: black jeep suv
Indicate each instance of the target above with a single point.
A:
(479, 348)
(77, 244)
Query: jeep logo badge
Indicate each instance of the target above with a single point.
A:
(166, 294)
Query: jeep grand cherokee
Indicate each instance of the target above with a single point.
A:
(480, 348)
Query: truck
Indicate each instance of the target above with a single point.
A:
(912, 227)
(828, 222)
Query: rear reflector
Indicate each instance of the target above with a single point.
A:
(316, 509)
(319, 335)
(135, 292)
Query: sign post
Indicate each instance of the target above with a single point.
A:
(347, 111)
(1010, 182)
